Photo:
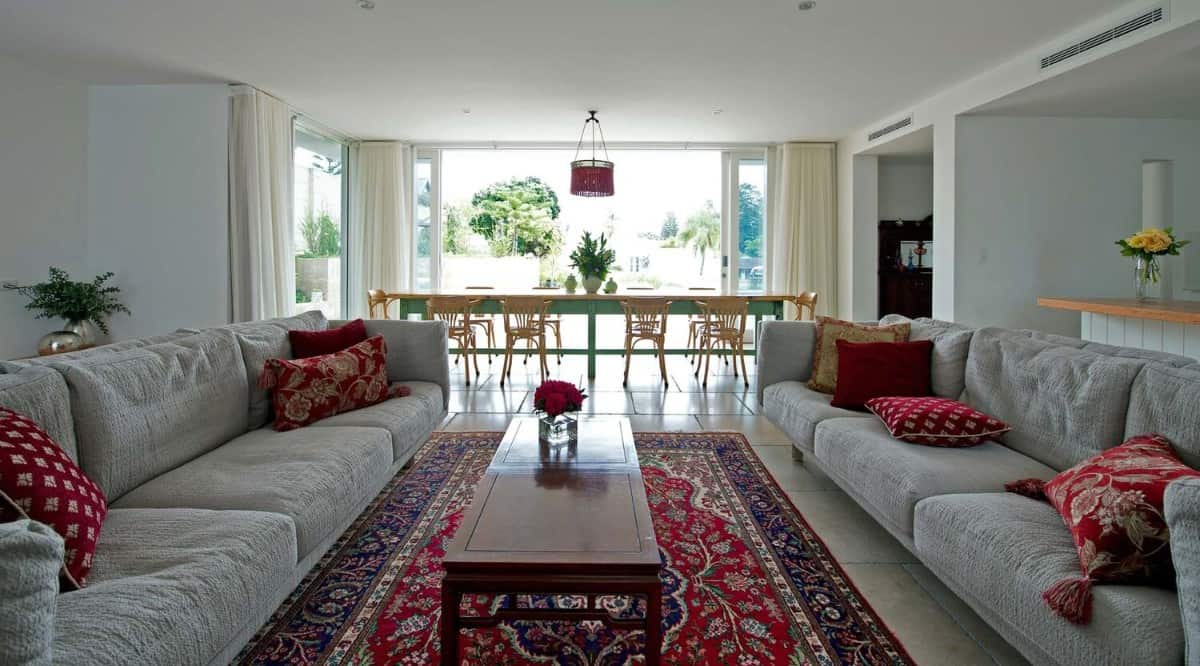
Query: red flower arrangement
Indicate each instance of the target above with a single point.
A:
(556, 397)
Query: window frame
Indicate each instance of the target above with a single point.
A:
(310, 126)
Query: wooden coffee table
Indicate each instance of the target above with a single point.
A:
(569, 520)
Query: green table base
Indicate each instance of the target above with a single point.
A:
(590, 308)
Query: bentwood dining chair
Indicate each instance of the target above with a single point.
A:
(377, 299)
(695, 322)
(485, 324)
(807, 300)
(456, 312)
(724, 325)
(646, 319)
(524, 320)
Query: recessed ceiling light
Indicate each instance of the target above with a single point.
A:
(466, 111)
(366, 4)
(806, 5)
(717, 112)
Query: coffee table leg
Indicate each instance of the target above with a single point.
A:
(450, 600)
(653, 624)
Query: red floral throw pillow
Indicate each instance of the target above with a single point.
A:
(1113, 505)
(935, 421)
(875, 369)
(310, 389)
(317, 343)
(41, 482)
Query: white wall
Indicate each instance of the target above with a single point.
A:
(157, 203)
(43, 172)
(1040, 202)
(942, 110)
(865, 251)
(905, 187)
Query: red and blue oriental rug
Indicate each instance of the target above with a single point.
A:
(745, 579)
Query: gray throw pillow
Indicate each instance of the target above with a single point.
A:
(31, 556)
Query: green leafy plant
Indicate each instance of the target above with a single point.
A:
(592, 257)
(322, 238)
(60, 298)
(703, 232)
(518, 217)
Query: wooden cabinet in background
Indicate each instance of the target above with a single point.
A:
(906, 267)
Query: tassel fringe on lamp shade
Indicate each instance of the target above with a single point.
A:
(592, 178)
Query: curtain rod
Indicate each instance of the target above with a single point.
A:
(335, 133)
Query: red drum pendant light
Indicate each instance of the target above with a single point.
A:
(592, 177)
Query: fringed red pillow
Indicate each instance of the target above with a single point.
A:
(1113, 505)
(935, 421)
(39, 481)
(314, 388)
(317, 343)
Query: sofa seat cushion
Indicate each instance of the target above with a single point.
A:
(797, 410)
(1002, 550)
(893, 476)
(409, 419)
(318, 477)
(173, 586)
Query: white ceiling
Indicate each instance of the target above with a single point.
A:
(1158, 78)
(528, 69)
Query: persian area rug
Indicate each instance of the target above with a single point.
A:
(745, 579)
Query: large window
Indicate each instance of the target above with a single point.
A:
(507, 220)
(317, 231)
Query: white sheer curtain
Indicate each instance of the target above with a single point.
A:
(262, 279)
(381, 220)
(803, 233)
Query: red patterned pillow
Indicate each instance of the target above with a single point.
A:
(310, 389)
(935, 421)
(1113, 505)
(316, 343)
(39, 481)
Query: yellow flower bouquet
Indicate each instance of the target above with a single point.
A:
(1145, 247)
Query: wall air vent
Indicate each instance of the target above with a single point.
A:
(884, 131)
(1116, 32)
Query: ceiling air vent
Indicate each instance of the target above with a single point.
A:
(1116, 32)
(884, 131)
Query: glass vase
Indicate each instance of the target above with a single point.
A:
(1145, 277)
(558, 430)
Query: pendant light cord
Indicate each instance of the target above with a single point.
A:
(603, 144)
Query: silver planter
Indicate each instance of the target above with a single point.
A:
(58, 342)
(86, 330)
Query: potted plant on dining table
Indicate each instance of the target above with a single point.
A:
(593, 259)
(557, 402)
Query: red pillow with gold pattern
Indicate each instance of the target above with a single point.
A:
(935, 421)
(1113, 505)
(39, 481)
(310, 389)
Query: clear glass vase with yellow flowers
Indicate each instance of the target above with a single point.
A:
(1146, 246)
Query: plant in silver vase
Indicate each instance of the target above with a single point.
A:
(557, 401)
(84, 305)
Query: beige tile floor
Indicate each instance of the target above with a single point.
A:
(934, 625)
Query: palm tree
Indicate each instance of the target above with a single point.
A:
(703, 232)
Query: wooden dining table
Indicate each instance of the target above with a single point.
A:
(760, 306)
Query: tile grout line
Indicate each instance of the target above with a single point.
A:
(952, 616)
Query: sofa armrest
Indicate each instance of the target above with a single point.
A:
(416, 350)
(1182, 504)
(785, 352)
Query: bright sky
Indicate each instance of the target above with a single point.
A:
(649, 183)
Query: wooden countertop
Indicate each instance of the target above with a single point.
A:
(1184, 312)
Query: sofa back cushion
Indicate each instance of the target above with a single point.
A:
(1064, 404)
(1113, 350)
(267, 339)
(1166, 400)
(145, 411)
(948, 362)
(123, 345)
(41, 394)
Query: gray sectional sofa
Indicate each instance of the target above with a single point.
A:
(1066, 400)
(214, 518)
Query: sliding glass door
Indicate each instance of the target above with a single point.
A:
(504, 218)
(319, 221)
